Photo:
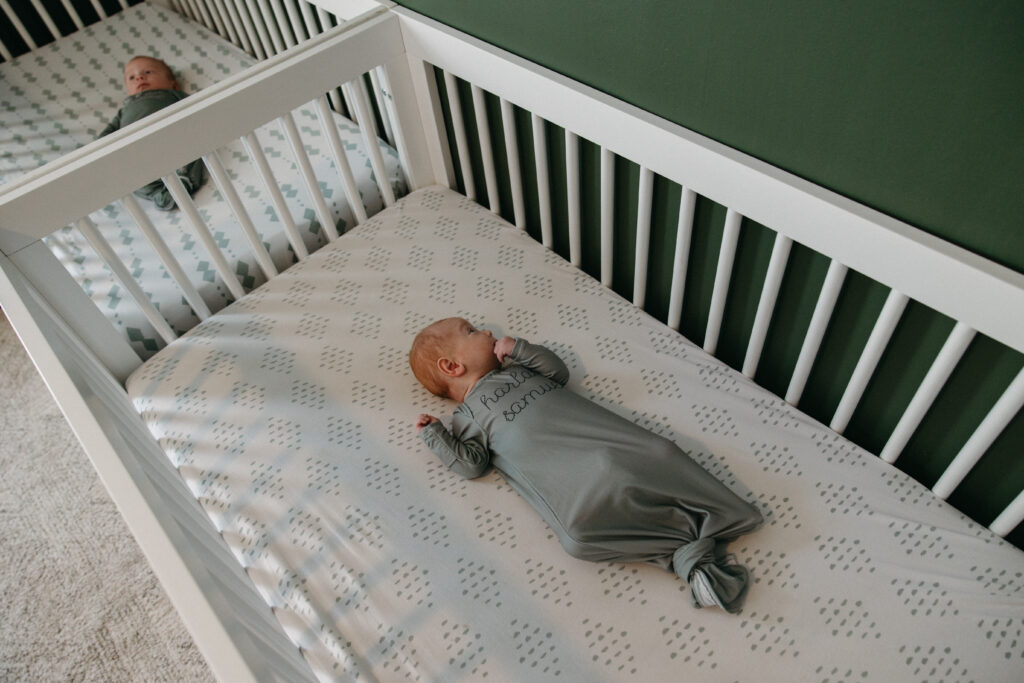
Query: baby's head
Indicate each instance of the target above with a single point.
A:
(148, 73)
(449, 349)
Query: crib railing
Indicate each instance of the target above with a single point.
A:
(494, 112)
(490, 103)
(263, 28)
(109, 169)
(84, 360)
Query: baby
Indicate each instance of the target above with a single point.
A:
(151, 86)
(609, 489)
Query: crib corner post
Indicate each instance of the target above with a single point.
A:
(420, 122)
(35, 274)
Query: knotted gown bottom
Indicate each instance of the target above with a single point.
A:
(609, 489)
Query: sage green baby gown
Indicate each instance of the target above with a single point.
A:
(608, 488)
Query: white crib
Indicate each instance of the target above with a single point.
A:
(822, 505)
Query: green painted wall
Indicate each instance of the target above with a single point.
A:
(922, 126)
(912, 107)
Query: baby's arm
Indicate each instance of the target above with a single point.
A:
(465, 456)
(425, 420)
(540, 360)
(503, 348)
(115, 124)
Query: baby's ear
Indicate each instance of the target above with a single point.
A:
(450, 367)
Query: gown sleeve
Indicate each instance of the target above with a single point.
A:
(465, 455)
(539, 359)
(115, 124)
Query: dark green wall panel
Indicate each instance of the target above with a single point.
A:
(910, 107)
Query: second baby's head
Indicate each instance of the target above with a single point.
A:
(447, 350)
(148, 73)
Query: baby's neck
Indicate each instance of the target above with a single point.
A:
(464, 384)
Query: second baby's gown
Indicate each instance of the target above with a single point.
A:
(608, 488)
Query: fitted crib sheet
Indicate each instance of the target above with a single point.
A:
(290, 416)
(60, 97)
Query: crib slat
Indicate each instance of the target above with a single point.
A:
(360, 86)
(766, 305)
(540, 161)
(872, 353)
(291, 131)
(723, 274)
(327, 20)
(607, 214)
(680, 263)
(294, 22)
(47, 19)
(942, 367)
(236, 25)
(18, 26)
(99, 9)
(572, 185)
(377, 79)
(226, 21)
(73, 13)
(461, 141)
(214, 16)
(1010, 518)
(109, 256)
(167, 257)
(350, 106)
(816, 331)
(269, 24)
(202, 232)
(364, 116)
(515, 175)
(227, 190)
(309, 19)
(643, 236)
(255, 152)
(188, 10)
(204, 15)
(254, 28)
(282, 24)
(1004, 410)
(483, 132)
(219, 18)
(337, 101)
(340, 160)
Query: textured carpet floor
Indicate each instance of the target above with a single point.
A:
(78, 601)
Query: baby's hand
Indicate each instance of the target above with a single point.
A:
(423, 420)
(503, 347)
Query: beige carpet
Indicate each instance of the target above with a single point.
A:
(78, 601)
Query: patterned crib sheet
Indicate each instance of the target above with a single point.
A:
(290, 416)
(60, 97)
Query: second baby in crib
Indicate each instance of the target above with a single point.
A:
(609, 489)
(151, 85)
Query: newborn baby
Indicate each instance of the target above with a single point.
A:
(151, 86)
(608, 488)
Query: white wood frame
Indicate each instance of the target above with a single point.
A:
(83, 361)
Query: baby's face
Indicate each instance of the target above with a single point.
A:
(472, 347)
(145, 73)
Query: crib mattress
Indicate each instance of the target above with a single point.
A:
(290, 414)
(60, 97)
